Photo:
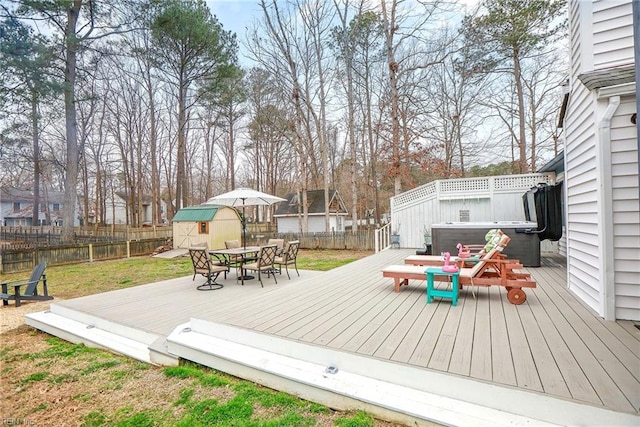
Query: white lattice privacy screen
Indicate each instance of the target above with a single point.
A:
(493, 198)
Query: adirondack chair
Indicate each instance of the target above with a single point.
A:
(27, 290)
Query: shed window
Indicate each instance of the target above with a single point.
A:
(203, 228)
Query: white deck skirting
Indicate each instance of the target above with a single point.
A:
(388, 390)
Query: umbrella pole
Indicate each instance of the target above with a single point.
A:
(244, 227)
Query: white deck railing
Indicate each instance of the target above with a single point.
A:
(383, 237)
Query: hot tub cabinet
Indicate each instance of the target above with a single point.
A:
(523, 246)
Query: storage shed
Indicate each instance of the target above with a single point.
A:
(212, 224)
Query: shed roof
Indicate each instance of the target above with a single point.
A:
(197, 213)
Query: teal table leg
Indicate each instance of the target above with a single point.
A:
(429, 287)
(454, 290)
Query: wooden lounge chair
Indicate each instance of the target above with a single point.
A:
(264, 263)
(205, 266)
(14, 290)
(437, 260)
(289, 257)
(491, 270)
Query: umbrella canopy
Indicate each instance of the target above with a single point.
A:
(244, 197)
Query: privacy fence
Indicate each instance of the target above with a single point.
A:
(23, 247)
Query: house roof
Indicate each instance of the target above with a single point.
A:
(315, 198)
(554, 165)
(146, 199)
(10, 194)
(196, 213)
(609, 77)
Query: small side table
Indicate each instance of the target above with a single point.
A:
(432, 292)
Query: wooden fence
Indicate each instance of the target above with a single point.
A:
(22, 248)
(24, 259)
(47, 235)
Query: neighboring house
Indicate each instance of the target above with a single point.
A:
(289, 220)
(16, 208)
(601, 160)
(210, 224)
(116, 209)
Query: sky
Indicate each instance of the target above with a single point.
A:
(235, 15)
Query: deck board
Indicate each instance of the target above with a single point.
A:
(551, 344)
(481, 350)
(463, 346)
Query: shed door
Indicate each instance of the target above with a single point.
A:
(190, 230)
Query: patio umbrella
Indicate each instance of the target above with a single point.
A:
(244, 197)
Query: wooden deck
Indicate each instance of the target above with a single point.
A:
(551, 345)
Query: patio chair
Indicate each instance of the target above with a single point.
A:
(205, 266)
(264, 263)
(289, 257)
(490, 270)
(13, 290)
(279, 243)
(234, 261)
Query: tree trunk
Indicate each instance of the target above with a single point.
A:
(522, 143)
(36, 158)
(389, 30)
(71, 125)
(180, 158)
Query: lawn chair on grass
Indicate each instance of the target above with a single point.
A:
(27, 290)
(205, 266)
(490, 270)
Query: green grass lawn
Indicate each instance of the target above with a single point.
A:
(72, 281)
(54, 382)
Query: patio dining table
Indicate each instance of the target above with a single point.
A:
(242, 255)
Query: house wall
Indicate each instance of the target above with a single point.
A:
(612, 33)
(116, 211)
(602, 210)
(316, 224)
(626, 211)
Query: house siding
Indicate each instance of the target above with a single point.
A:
(602, 207)
(581, 175)
(626, 210)
(612, 33)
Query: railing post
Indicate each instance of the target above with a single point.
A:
(128, 249)
(90, 252)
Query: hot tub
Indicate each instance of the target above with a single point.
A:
(523, 246)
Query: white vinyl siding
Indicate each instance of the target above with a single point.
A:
(626, 211)
(601, 37)
(612, 34)
(581, 184)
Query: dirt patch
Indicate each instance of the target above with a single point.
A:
(12, 317)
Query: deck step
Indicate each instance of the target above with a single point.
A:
(89, 334)
(339, 384)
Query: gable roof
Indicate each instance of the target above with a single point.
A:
(315, 198)
(196, 213)
(146, 199)
(11, 194)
